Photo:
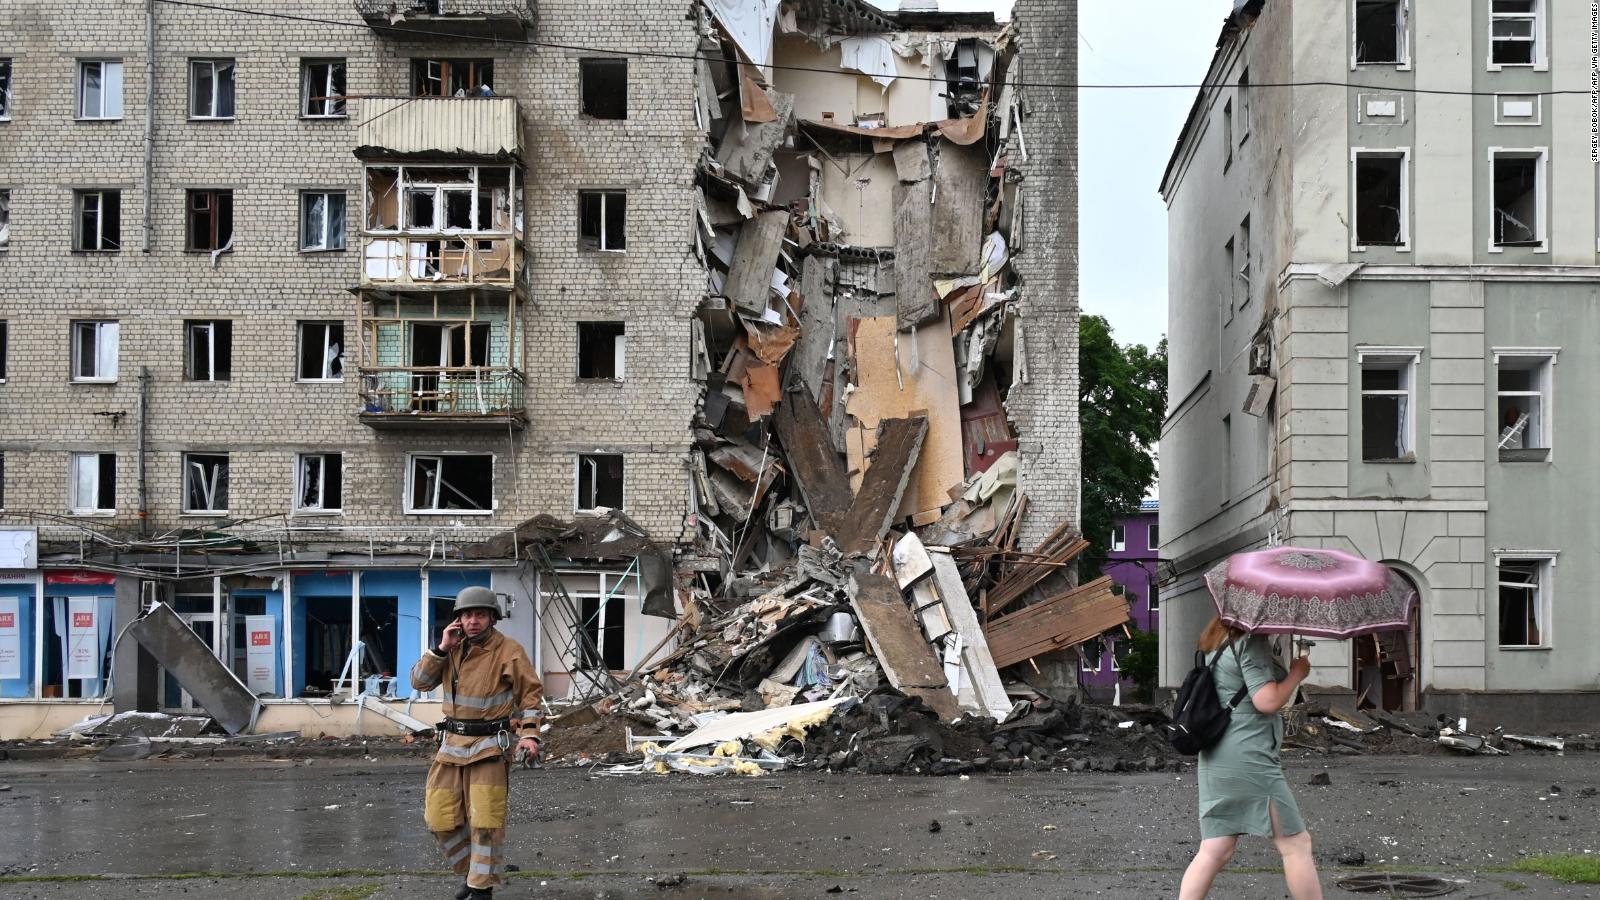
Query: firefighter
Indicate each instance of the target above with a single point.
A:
(492, 702)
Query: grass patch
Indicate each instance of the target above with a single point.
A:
(343, 892)
(1571, 868)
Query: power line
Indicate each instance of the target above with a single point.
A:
(696, 57)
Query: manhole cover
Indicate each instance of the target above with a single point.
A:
(1393, 885)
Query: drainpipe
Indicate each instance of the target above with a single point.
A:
(149, 172)
(144, 494)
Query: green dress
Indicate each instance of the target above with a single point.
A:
(1241, 778)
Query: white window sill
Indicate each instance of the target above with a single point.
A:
(311, 250)
(212, 118)
(97, 119)
(92, 251)
(205, 513)
(1522, 649)
(94, 381)
(341, 117)
(319, 381)
(92, 513)
(317, 513)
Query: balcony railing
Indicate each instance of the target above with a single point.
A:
(451, 18)
(483, 127)
(489, 396)
(430, 262)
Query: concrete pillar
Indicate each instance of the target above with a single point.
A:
(133, 671)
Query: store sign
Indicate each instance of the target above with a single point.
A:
(83, 637)
(72, 576)
(261, 654)
(10, 639)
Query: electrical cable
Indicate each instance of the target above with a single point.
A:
(698, 57)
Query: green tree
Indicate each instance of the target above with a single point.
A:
(1122, 400)
(1142, 664)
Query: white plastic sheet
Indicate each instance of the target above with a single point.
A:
(872, 56)
(750, 24)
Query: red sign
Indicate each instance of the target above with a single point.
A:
(261, 639)
(73, 576)
(83, 620)
(8, 620)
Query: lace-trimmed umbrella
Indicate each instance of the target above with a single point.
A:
(1315, 593)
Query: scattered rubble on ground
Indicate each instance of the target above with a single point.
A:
(1321, 729)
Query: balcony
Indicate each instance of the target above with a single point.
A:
(507, 19)
(483, 397)
(432, 263)
(434, 127)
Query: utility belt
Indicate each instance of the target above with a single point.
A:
(474, 727)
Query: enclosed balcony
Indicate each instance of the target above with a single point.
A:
(508, 19)
(451, 361)
(434, 127)
(441, 228)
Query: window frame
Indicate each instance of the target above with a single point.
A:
(1227, 134)
(408, 484)
(189, 212)
(1541, 197)
(1098, 659)
(298, 475)
(5, 219)
(100, 330)
(300, 338)
(1230, 299)
(599, 245)
(226, 473)
(328, 218)
(80, 196)
(5, 348)
(1540, 61)
(1404, 155)
(619, 359)
(1542, 361)
(578, 460)
(75, 462)
(1243, 261)
(1546, 561)
(584, 64)
(216, 63)
(1402, 32)
(6, 70)
(341, 100)
(1119, 538)
(477, 77)
(81, 83)
(1242, 110)
(1407, 361)
(189, 362)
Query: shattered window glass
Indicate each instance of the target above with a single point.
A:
(5, 88)
(321, 351)
(320, 482)
(321, 220)
(1380, 31)
(602, 220)
(462, 482)
(205, 482)
(600, 481)
(322, 91)
(603, 84)
(1516, 221)
(1520, 603)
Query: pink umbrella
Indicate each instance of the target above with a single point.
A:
(1318, 593)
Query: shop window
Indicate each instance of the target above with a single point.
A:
(602, 220)
(211, 88)
(205, 483)
(321, 351)
(210, 221)
(454, 483)
(1524, 602)
(99, 89)
(77, 645)
(209, 349)
(94, 484)
(326, 644)
(604, 88)
(601, 350)
(600, 481)
(322, 90)
(380, 646)
(319, 482)
(94, 351)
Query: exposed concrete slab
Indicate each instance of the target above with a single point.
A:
(961, 182)
(747, 150)
(749, 281)
(913, 280)
(187, 659)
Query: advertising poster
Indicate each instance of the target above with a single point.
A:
(83, 637)
(10, 639)
(261, 654)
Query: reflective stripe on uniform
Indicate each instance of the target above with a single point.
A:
(468, 701)
(492, 742)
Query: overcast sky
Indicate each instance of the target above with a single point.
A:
(1125, 138)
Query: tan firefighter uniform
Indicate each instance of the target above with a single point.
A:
(465, 799)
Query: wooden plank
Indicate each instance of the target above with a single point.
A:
(896, 640)
(1028, 574)
(809, 451)
(883, 486)
(749, 280)
(915, 300)
(961, 182)
(1056, 624)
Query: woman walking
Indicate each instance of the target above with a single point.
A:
(1242, 788)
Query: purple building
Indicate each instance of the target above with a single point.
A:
(1131, 563)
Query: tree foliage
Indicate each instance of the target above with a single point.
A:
(1122, 400)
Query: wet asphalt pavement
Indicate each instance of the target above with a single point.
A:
(345, 830)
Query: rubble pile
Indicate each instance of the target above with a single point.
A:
(1319, 728)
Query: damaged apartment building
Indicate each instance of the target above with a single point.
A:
(628, 312)
(1381, 317)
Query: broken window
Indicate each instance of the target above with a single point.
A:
(322, 89)
(460, 482)
(601, 347)
(99, 89)
(321, 220)
(383, 198)
(602, 220)
(599, 481)
(439, 198)
(1155, 596)
(319, 482)
(97, 221)
(210, 220)
(1523, 602)
(1380, 32)
(1092, 652)
(209, 346)
(1380, 198)
(205, 482)
(603, 619)
(94, 483)
(452, 77)
(5, 219)
(1522, 394)
(1515, 32)
(2, 479)
(1227, 135)
(1243, 271)
(5, 347)
(5, 89)
(450, 345)
(211, 89)
(603, 84)
(94, 351)
(1244, 105)
(321, 351)
(1119, 538)
(1517, 217)
(1230, 297)
(1386, 407)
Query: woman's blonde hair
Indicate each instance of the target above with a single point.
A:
(1215, 634)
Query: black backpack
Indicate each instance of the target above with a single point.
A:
(1198, 719)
